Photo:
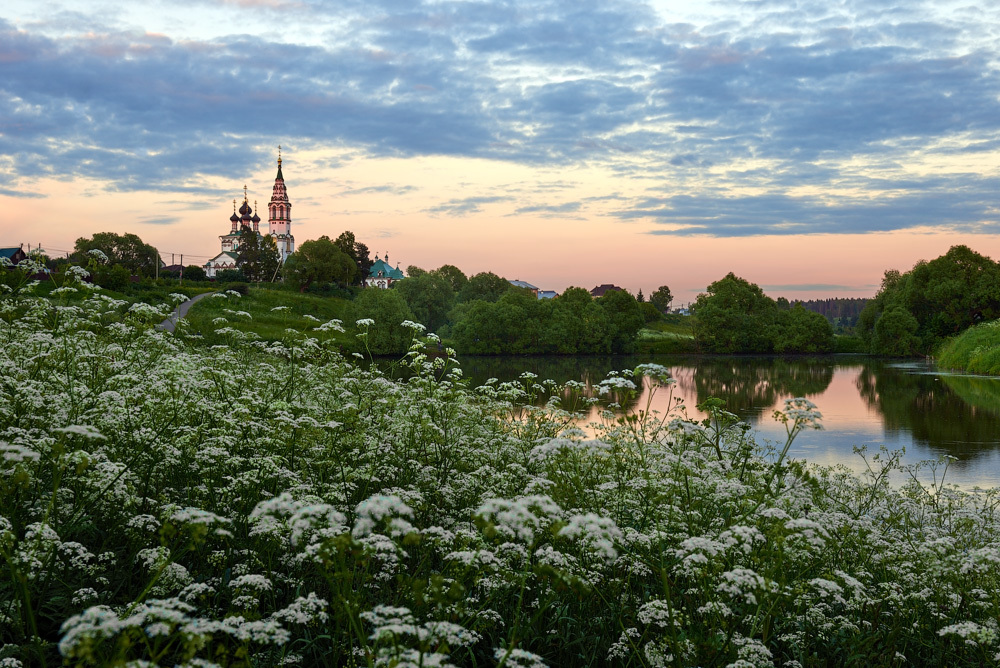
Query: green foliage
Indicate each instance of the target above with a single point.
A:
(127, 250)
(114, 277)
(193, 272)
(734, 316)
(896, 334)
(649, 312)
(486, 286)
(798, 330)
(661, 299)
(945, 296)
(230, 276)
(430, 297)
(358, 252)
(625, 319)
(319, 261)
(976, 350)
(455, 276)
(387, 309)
(258, 257)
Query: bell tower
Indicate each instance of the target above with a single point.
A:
(279, 215)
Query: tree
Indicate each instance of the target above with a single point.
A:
(358, 252)
(387, 309)
(127, 250)
(486, 286)
(230, 276)
(578, 325)
(624, 317)
(896, 334)
(319, 261)
(430, 296)
(734, 316)
(640, 298)
(455, 276)
(661, 299)
(650, 313)
(945, 296)
(258, 256)
(193, 272)
(799, 330)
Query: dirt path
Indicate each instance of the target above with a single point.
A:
(181, 311)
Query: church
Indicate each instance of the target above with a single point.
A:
(279, 226)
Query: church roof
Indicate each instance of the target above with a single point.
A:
(383, 268)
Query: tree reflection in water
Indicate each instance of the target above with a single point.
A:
(957, 415)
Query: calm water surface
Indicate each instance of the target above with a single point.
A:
(899, 404)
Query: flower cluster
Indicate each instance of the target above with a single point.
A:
(164, 502)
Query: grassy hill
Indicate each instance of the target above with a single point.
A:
(271, 315)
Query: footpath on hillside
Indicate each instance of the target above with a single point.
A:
(170, 323)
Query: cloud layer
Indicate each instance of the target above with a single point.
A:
(770, 118)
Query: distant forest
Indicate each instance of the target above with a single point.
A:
(841, 312)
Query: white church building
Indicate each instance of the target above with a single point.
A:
(279, 226)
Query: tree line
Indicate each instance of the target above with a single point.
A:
(735, 316)
(484, 314)
(914, 312)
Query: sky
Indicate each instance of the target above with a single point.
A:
(805, 145)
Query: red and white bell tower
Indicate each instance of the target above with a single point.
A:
(279, 216)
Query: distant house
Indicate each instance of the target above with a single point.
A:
(547, 294)
(13, 255)
(602, 290)
(525, 285)
(382, 275)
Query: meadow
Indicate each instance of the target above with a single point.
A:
(251, 502)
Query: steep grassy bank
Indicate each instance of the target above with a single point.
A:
(976, 350)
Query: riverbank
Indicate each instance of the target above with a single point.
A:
(976, 350)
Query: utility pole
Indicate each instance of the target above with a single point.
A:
(182, 268)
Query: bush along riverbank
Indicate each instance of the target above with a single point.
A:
(170, 504)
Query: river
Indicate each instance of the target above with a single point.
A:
(868, 402)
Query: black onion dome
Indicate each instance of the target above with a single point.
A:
(245, 209)
(234, 217)
(255, 218)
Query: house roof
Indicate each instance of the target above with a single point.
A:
(522, 284)
(380, 266)
(9, 253)
(603, 289)
(224, 256)
(547, 294)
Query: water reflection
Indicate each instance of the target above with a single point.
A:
(957, 414)
(864, 402)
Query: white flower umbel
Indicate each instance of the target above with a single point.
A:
(376, 509)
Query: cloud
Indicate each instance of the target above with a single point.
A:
(467, 205)
(551, 210)
(158, 220)
(963, 204)
(776, 96)
(25, 194)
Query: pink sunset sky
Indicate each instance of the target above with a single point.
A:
(806, 148)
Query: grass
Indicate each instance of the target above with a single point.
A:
(976, 350)
(270, 314)
(674, 334)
